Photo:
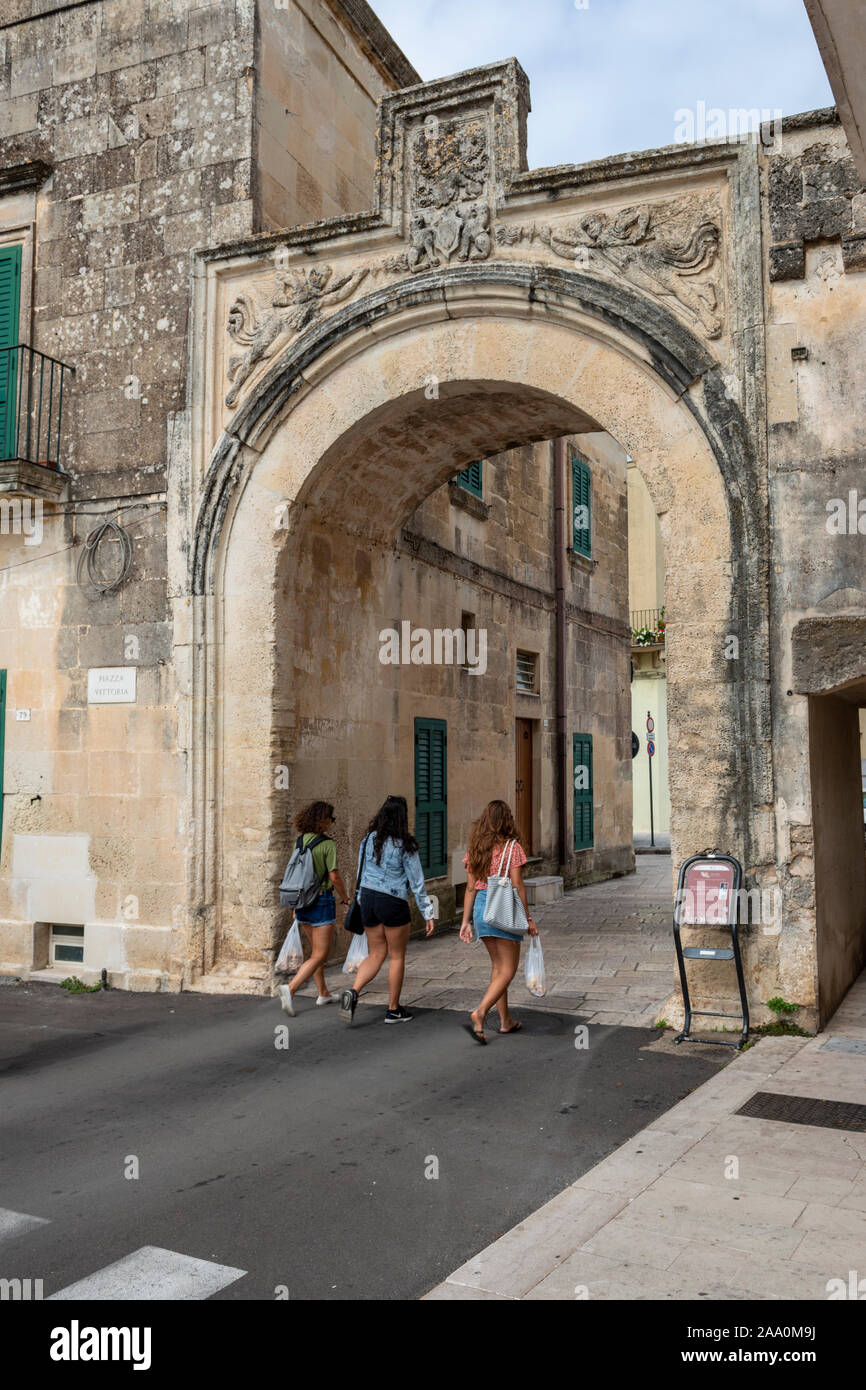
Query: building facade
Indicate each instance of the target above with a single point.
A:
(132, 136)
(286, 406)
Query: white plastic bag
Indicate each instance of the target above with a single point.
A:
(357, 952)
(291, 957)
(536, 981)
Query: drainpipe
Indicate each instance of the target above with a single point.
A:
(559, 542)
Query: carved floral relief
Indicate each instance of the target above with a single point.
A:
(670, 250)
(658, 250)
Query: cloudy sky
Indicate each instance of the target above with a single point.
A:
(612, 76)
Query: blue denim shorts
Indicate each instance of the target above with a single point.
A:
(321, 913)
(483, 928)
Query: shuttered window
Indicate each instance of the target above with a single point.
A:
(471, 479)
(431, 794)
(581, 507)
(10, 301)
(582, 775)
(527, 673)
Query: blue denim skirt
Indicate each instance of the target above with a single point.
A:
(483, 928)
(321, 913)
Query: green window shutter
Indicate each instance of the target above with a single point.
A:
(582, 776)
(2, 736)
(431, 794)
(471, 479)
(581, 507)
(10, 302)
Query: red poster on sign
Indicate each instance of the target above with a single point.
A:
(707, 895)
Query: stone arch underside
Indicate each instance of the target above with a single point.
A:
(344, 425)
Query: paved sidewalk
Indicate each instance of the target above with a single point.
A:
(707, 1203)
(608, 953)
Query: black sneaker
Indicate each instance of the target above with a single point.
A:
(348, 1001)
(399, 1015)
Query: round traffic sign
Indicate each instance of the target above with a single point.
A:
(650, 724)
(650, 747)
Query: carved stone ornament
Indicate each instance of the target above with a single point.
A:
(679, 262)
(451, 161)
(297, 301)
(450, 212)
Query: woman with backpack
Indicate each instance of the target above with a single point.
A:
(319, 917)
(388, 869)
(494, 843)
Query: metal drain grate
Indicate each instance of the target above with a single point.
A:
(805, 1110)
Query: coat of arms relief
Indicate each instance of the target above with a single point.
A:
(450, 210)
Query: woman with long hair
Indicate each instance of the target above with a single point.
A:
(391, 869)
(319, 918)
(489, 841)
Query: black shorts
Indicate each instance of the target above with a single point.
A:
(382, 908)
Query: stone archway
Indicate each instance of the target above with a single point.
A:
(489, 331)
(502, 378)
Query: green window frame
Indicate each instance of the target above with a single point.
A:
(2, 741)
(431, 795)
(10, 308)
(472, 478)
(584, 827)
(581, 497)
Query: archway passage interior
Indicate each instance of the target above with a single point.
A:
(431, 667)
(840, 859)
(353, 457)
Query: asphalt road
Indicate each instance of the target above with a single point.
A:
(305, 1167)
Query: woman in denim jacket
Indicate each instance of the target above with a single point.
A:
(391, 869)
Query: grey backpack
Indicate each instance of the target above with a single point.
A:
(301, 884)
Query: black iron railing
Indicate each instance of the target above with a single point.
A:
(32, 387)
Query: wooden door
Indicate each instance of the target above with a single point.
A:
(523, 782)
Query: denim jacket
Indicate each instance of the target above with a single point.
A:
(396, 875)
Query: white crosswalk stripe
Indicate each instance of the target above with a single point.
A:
(153, 1274)
(15, 1223)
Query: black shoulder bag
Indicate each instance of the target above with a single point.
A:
(353, 921)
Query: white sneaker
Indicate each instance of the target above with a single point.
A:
(286, 1000)
(324, 999)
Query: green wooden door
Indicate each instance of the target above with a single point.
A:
(10, 303)
(431, 794)
(583, 810)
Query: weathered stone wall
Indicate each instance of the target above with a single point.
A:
(315, 115)
(815, 218)
(131, 132)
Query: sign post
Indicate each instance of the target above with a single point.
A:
(650, 752)
(708, 895)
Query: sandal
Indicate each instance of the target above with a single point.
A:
(515, 1028)
(479, 1037)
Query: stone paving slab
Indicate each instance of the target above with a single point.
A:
(608, 952)
(705, 1202)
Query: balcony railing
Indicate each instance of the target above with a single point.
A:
(647, 627)
(31, 406)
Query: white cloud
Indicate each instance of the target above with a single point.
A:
(609, 78)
